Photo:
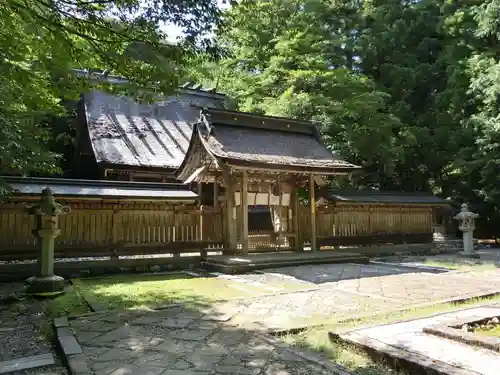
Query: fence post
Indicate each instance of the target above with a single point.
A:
(203, 250)
(115, 242)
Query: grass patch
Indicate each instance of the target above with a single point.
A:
(460, 264)
(70, 303)
(129, 291)
(316, 339)
(495, 331)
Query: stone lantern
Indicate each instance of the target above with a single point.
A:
(47, 212)
(467, 225)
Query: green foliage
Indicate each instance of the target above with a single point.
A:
(408, 90)
(41, 41)
(297, 59)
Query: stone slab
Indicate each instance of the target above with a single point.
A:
(26, 363)
(67, 341)
(407, 342)
(233, 264)
(445, 331)
(61, 322)
(78, 365)
(452, 330)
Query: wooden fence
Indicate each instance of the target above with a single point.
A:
(114, 231)
(355, 220)
(111, 230)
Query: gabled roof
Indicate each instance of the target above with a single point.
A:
(85, 189)
(124, 132)
(244, 139)
(370, 196)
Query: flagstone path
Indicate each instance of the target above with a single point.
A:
(196, 340)
(229, 337)
(344, 290)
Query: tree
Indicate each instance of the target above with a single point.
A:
(407, 89)
(41, 41)
(296, 58)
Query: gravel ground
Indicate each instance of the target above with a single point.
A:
(22, 326)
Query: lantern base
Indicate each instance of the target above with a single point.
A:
(464, 254)
(45, 286)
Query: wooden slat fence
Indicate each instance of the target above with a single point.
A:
(355, 224)
(116, 230)
(112, 232)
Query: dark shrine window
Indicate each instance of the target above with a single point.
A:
(259, 218)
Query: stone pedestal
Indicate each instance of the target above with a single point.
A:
(467, 226)
(46, 284)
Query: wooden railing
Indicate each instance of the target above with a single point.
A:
(268, 240)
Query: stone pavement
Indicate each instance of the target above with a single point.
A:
(486, 256)
(229, 337)
(188, 340)
(406, 340)
(342, 290)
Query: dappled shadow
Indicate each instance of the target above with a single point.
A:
(486, 258)
(334, 350)
(327, 273)
(125, 291)
(196, 336)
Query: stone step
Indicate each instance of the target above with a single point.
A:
(233, 264)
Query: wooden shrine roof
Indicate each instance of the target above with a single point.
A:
(89, 189)
(382, 197)
(253, 141)
(124, 132)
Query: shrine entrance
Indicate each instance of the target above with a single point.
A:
(257, 164)
(270, 219)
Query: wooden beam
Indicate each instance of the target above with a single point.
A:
(244, 211)
(312, 212)
(238, 165)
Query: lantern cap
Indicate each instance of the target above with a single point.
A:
(47, 205)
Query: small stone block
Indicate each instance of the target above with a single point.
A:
(61, 322)
(26, 363)
(78, 365)
(68, 342)
(97, 307)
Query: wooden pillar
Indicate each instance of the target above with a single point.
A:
(244, 211)
(216, 194)
(199, 191)
(312, 212)
(295, 220)
(230, 237)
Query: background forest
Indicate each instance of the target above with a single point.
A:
(410, 90)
